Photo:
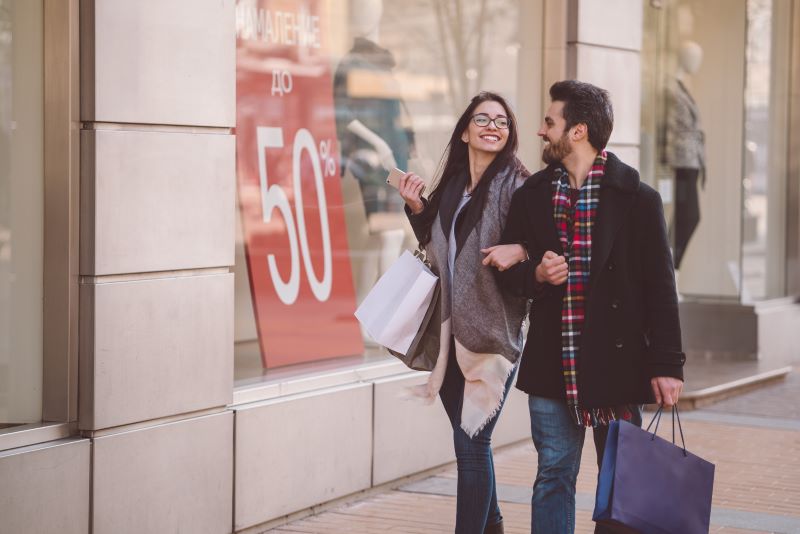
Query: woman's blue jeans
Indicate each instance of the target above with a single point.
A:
(476, 501)
(559, 442)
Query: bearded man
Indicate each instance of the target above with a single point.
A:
(604, 333)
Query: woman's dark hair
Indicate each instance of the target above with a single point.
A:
(587, 104)
(455, 160)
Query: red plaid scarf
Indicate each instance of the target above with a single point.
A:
(575, 231)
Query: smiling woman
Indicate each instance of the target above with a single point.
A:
(459, 223)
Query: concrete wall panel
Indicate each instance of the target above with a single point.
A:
(155, 348)
(778, 333)
(45, 488)
(298, 451)
(159, 62)
(409, 436)
(156, 201)
(175, 477)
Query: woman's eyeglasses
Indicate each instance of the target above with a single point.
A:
(482, 119)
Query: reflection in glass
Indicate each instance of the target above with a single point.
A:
(372, 122)
(21, 212)
(714, 140)
(691, 136)
(5, 212)
(397, 73)
(685, 148)
(411, 67)
(655, 69)
(764, 185)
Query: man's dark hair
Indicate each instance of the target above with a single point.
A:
(587, 104)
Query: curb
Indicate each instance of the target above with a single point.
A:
(692, 400)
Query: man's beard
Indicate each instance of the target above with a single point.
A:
(555, 152)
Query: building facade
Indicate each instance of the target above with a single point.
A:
(192, 205)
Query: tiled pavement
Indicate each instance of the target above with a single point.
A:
(754, 440)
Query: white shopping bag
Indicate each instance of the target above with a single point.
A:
(394, 309)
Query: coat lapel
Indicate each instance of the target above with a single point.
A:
(542, 216)
(451, 196)
(470, 217)
(617, 197)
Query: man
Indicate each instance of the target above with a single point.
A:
(604, 336)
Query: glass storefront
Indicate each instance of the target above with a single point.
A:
(21, 211)
(330, 97)
(766, 163)
(714, 117)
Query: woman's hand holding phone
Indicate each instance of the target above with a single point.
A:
(411, 186)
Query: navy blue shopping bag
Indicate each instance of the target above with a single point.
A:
(648, 485)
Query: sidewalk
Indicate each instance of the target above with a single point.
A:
(754, 440)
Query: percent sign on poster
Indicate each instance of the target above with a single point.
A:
(328, 163)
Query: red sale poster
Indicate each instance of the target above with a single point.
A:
(289, 184)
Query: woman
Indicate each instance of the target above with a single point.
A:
(477, 340)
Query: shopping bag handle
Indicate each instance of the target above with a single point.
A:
(422, 256)
(657, 419)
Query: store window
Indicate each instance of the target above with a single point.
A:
(715, 96)
(330, 97)
(21, 211)
(765, 184)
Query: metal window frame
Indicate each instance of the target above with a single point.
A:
(61, 219)
(61, 203)
(793, 167)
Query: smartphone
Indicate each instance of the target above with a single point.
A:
(394, 179)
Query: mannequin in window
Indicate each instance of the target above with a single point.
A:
(685, 148)
(371, 120)
(372, 127)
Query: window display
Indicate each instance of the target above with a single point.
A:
(330, 97)
(715, 87)
(765, 184)
(685, 148)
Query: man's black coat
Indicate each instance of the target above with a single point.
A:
(631, 331)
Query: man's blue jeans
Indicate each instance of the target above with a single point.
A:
(476, 501)
(559, 442)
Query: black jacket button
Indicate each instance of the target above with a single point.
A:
(611, 266)
(615, 305)
(618, 344)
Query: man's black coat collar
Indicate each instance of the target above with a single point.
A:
(617, 175)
